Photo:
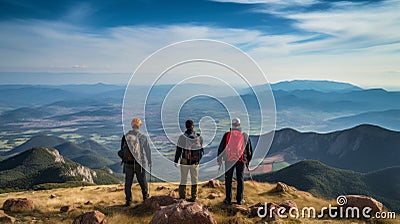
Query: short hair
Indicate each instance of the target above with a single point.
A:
(189, 124)
(136, 122)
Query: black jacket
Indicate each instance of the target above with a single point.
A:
(248, 152)
(181, 140)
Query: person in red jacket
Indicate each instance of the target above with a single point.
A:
(236, 150)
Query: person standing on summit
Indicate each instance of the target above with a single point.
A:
(236, 150)
(135, 149)
(189, 151)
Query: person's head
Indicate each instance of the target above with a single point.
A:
(189, 124)
(235, 122)
(136, 122)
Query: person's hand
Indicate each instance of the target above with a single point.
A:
(150, 165)
(176, 164)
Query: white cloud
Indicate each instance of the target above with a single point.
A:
(78, 12)
(361, 44)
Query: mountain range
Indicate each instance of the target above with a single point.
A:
(329, 182)
(82, 111)
(363, 148)
(316, 85)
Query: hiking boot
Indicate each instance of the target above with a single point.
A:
(241, 202)
(182, 191)
(194, 191)
(145, 197)
(128, 203)
(191, 200)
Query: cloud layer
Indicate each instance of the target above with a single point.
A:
(351, 42)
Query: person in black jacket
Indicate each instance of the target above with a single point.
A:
(189, 151)
(133, 164)
(236, 150)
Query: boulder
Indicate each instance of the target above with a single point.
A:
(92, 217)
(88, 203)
(214, 183)
(112, 189)
(67, 208)
(235, 208)
(53, 196)
(361, 201)
(18, 205)
(254, 209)
(160, 200)
(160, 188)
(183, 212)
(281, 187)
(213, 195)
(4, 218)
(288, 204)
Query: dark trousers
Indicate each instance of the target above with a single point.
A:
(130, 170)
(239, 166)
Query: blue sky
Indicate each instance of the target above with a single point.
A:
(351, 41)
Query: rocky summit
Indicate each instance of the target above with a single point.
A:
(98, 204)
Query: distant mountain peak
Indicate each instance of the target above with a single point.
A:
(369, 128)
(57, 157)
(317, 85)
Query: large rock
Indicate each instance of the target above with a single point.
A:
(233, 209)
(254, 209)
(361, 202)
(160, 200)
(214, 195)
(160, 188)
(4, 218)
(67, 208)
(18, 205)
(281, 187)
(288, 204)
(214, 183)
(183, 212)
(92, 217)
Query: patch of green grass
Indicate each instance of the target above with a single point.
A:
(280, 165)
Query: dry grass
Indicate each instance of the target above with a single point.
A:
(109, 199)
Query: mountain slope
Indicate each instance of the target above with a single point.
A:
(387, 118)
(86, 157)
(36, 141)
(322, 180)
(42, 165)
(23, 113)
(31, 95)
(88, 153)
(363, 148)
(100, 149)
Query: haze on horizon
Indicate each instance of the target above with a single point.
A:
(77, 42)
